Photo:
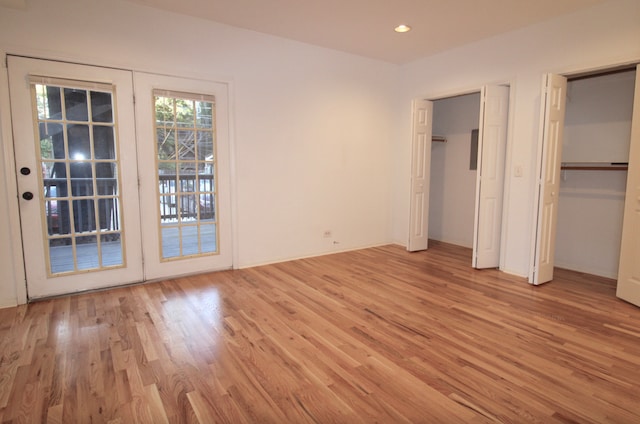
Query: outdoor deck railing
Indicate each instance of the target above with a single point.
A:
(186, 197)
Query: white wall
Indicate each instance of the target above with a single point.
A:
(453, 184)
(596, 37)
(311, 127)
(591, 203)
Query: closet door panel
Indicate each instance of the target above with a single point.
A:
(492, 146)
(629, 269)
(420, 175)
(555, 95)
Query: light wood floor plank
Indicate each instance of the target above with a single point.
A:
(375, 335)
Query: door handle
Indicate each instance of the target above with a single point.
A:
(27, 195)
(25, 171)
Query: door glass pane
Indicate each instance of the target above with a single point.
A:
(59, 258)
(51, 140)
(190, 240)
(208, 237)
(186, 144)
(110, 246)
(204, 114)
(48, 102)
(76, 107)
(87, 252)
(205, 146)
(166, 143)
(77, 144)
(184, 112)
(185, 141)
(104, 142)
(170, 241)
(101, 109)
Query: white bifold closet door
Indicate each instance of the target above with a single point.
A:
(549, 158)
(492, 145)
(629, 268)
(422, 128)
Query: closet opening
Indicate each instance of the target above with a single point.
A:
(452, 193)
(593, 176)
(457, 186)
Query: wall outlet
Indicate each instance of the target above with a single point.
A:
(327, 234)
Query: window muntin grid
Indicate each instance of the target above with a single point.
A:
(77, 150)
(186, 174)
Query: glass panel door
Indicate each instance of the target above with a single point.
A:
(88, 206)
(75, 152)
(185, 189)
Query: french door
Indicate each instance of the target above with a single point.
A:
(184, 187)
(83, 163)
(74, 140)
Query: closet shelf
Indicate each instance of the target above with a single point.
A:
(595, 166)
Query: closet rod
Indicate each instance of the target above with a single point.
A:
(595, 166)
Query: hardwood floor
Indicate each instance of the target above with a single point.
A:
(376, 335)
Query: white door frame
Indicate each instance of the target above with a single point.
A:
(9, 198)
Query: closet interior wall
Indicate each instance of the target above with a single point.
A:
(453, 184)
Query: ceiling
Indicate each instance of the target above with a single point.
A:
(365, 27)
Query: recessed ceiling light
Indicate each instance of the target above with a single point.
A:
(402, 28)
